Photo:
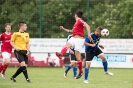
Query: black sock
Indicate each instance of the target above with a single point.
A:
(24, 70)
(17, 72)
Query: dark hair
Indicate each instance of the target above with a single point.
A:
(100, 28)
(79, 14)
(21, 23)
(7, 24)
(49, 54)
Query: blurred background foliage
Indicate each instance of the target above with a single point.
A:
(44, 17)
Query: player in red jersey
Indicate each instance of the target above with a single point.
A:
(77, 40)
(6, 49)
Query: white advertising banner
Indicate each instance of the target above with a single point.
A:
(117, 45)
(119, 52)
(115, 61)
(55, 45)
(47, 45)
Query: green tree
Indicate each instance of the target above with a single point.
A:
(15, 11)
(60, 12)
(54, 14)
(115, 16)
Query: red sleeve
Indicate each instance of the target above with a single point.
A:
(80, 21)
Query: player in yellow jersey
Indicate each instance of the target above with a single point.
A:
(20, 43)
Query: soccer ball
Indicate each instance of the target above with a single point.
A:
(105, 32)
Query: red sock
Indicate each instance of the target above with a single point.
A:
(64, 50)
(1, 67)
(4, 68)
(79, 62)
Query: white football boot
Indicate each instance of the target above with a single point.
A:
(86, 81)
(109, 73)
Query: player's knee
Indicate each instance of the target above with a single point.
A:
(72, 63)
(88, 64)
(103, 58)
(68, 45)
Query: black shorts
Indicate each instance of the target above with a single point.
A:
(89, 56)
(72, 58)
(82, 56)
(21, 56)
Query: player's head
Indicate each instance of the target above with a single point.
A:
(23, 26)
(8, 27)
(78, 14)
(98, 31)
(49, 54)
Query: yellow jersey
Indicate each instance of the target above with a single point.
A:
(20, 40)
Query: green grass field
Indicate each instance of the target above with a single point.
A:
(42, 77)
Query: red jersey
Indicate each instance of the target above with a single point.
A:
(5, 40)
(78, 28)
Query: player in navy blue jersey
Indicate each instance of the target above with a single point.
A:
(92, 49)
(72, 60)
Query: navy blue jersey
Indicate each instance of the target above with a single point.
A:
(96, 39)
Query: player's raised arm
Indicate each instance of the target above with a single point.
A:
(67, 30)
(88, 31)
